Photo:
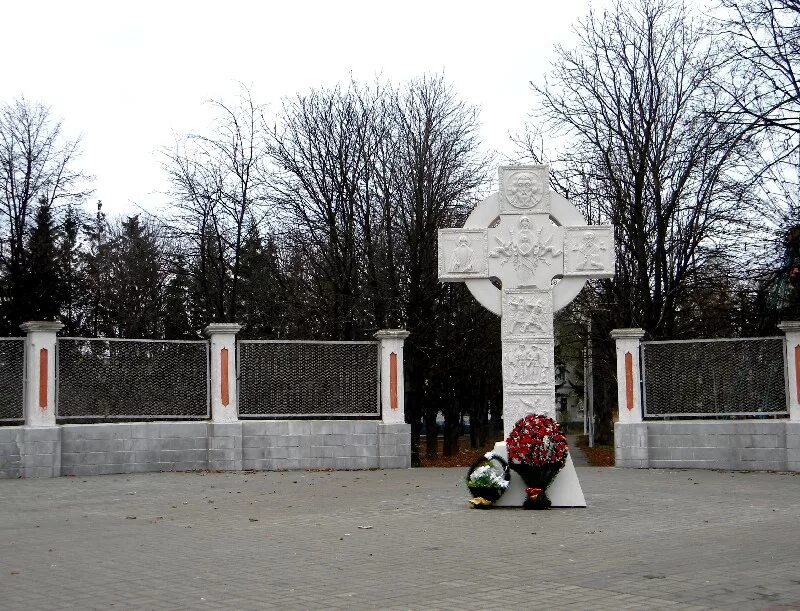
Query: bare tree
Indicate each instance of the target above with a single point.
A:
(36, 165)
(323, 149)
(762, 80)
(651, 150)
(220, 187)
(440, 171)
(368, 174)
(763, 61)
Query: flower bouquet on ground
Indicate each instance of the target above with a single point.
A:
(485, 481)
(537, 449)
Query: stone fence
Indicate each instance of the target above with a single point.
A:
(43, 445)
(730, 404)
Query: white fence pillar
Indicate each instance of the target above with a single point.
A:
(390, 353)
(40, 372)
(224, 395)
(629, 396)
(791, 328)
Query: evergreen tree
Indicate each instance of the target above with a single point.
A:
(177, 307)
(72, 273)
(43, 287)
(95, 264)
(135, 280)
(259, 288)
(37, 164)
(210, 276)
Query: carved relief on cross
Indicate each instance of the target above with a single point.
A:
(525, 236)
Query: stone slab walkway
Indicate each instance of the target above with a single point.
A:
(578, 457)
(402, 539)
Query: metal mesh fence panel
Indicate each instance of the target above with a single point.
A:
(741, 377)
(289, 379)
(112, 379)
(12, 371)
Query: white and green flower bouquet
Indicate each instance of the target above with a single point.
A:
(485, 480)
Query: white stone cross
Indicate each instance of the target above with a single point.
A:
(526, 236)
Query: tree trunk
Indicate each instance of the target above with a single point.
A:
(416, 439)
(452, 429)
(497, 416)
(431, 434)
(473, 425)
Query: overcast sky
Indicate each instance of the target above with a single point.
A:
(127, 77)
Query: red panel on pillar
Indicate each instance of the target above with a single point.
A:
(629, 381)
(43, 378)
(393, 381)
(223, 376)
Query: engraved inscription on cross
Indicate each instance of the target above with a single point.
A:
(525, 236)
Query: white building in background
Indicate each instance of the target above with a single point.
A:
(569, 392)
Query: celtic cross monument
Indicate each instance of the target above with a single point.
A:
(526, 237)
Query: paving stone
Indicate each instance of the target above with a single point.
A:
(649, 539)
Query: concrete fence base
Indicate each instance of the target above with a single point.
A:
(709, 444)
(98, 449)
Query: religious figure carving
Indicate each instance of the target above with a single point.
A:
(520, 405)
(524, 190)
(463, 256)
(527, 315)
(589, 252)
(528, 364)
(527, 249)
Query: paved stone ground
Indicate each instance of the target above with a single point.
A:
(291, 540)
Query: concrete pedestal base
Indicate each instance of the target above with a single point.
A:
(565, 491)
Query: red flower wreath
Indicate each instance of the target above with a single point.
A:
(537, 441)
